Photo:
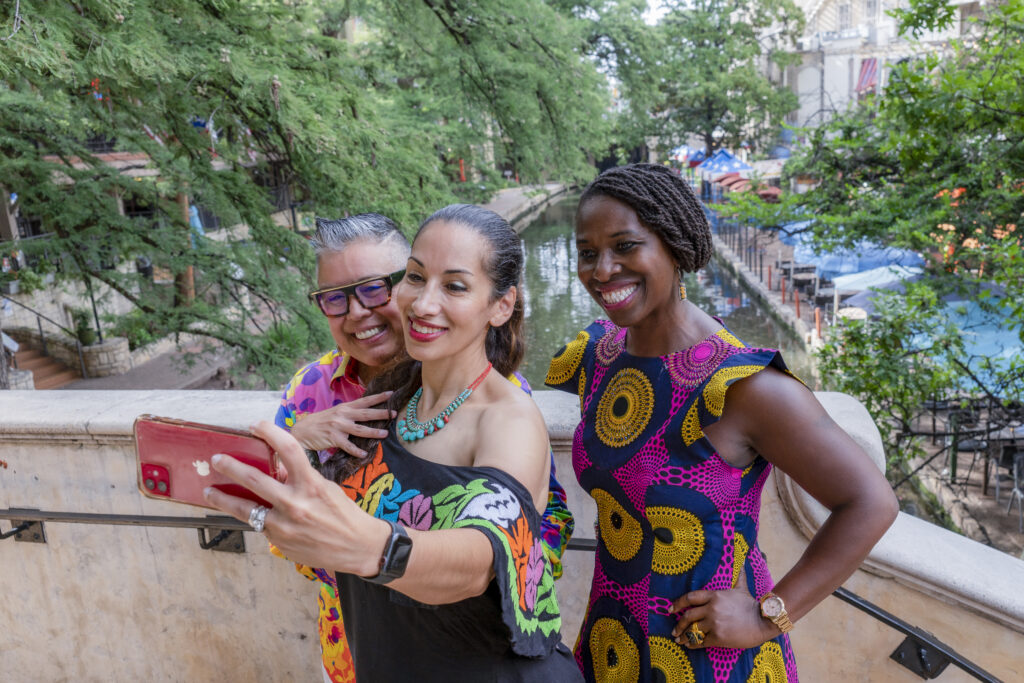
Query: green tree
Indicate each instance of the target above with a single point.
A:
(223, 103)
(710, 71)
(936, 164)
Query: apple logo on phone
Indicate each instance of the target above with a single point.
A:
(202, 468)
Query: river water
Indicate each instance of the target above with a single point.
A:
(557, 305)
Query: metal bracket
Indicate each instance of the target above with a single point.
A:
(918, 656)
(26, 532)
(221, 540)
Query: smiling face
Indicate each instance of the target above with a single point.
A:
(446, 296)
(371, 336)
(624, 265)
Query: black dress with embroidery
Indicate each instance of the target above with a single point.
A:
(510, 633)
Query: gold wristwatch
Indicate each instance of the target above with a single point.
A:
(774, 610)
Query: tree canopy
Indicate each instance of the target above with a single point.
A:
(141, 107)
(935, 164)
(700, 70)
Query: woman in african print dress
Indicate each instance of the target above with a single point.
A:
(681, 425)
(434, 535)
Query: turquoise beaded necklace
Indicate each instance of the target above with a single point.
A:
(411, 429)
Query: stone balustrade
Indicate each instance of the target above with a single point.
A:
(145, 603)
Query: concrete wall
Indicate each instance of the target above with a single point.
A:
(131, 603)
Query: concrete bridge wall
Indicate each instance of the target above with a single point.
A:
(131, 603)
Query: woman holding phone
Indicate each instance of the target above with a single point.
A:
(359, 260)
(445, 509)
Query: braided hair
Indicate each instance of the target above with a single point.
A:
(665, 204)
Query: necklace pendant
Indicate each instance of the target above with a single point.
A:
(411, 429)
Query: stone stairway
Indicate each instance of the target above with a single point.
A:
(47, 373)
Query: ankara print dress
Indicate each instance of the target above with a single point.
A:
(672, 515)
(510, 633)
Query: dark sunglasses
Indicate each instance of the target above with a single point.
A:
(372, 293)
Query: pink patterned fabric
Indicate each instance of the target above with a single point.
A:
(669, 508)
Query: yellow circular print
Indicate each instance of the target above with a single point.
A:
(615, 656)
(565, 363)
(678, 539)
(625, 408)
(739, 557)
(769, 665)
(669, 659)
(620, 532)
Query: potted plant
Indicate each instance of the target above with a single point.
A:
(9, 283)
(83, 330)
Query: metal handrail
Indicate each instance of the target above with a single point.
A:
(40, 315)
(208, 522)
(42, 338)
(933, 654)
(922, 638)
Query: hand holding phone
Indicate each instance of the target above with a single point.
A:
(173, 459)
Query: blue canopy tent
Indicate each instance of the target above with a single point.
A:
(875, 277)
(793, 233)
(989, 344)
(724, 161)
(864, 256)
(686, 153)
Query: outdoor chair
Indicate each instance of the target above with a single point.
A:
(973, 446)
(935, 406)
(1002, 459)
(1017, 493)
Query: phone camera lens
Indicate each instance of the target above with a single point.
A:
(149, 484)
(162, 487)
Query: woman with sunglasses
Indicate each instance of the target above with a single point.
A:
(477, 299)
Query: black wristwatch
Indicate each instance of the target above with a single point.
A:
(395, 557)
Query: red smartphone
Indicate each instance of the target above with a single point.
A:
(173, 459)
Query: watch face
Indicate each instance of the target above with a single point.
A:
(772, 607)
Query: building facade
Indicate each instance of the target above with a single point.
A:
(848, 50)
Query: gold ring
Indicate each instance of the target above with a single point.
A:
(695, 635)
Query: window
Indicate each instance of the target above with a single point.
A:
(98, 144)
(29, 226)
(207, 218)
(871, 10)
(845, 16)
(272, 178)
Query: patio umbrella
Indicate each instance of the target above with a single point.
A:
(793, 233)
(875, 277)
(864, 256)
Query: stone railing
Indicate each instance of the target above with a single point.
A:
(130, 602)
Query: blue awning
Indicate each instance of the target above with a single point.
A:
(724, 161)
(864, 256)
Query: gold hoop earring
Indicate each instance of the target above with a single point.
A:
(682, 287)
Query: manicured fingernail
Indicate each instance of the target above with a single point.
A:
(216, 458)
(382, 434)
(206, 492)
(394, 413)
(362, 454)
